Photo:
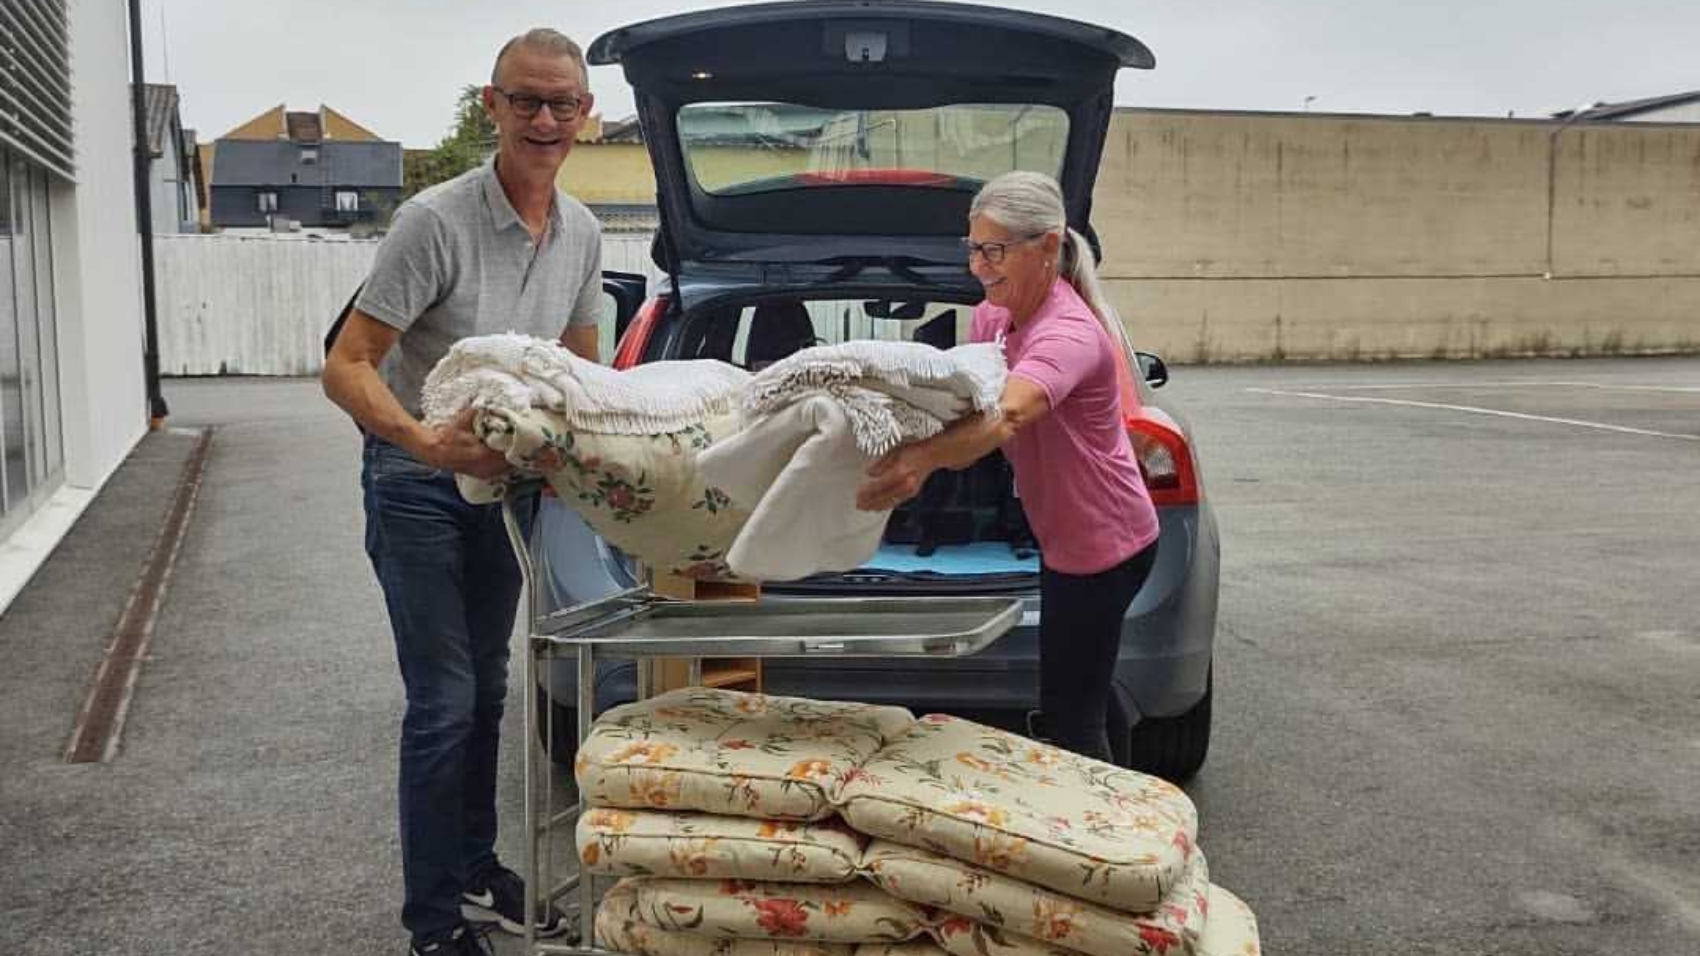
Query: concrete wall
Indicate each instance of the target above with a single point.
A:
(608, 173)
(1253, 236)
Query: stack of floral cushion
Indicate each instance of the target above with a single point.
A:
(746, 825)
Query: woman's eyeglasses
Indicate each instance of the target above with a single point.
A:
(993, 252)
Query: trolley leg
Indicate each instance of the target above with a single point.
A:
(532, 771)
(586, 713)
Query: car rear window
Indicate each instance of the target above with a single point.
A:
(741, 148)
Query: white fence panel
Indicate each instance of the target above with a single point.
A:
(240, 305)
(259, 305)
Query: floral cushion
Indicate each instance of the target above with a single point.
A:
(644, 493)
(920, 876)
(701, 845)
(919, 946)
(721, 751)
(618, 929)
(961, 936)
(1082, 827)
(855, 912)
(1231, 929)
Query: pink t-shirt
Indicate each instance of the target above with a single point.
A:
(1074, 468)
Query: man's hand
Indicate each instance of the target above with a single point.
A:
(454, 446)
(895, 478)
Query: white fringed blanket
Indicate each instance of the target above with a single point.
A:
(814, 423)
(517, 372)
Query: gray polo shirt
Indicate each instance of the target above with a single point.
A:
(459, 262)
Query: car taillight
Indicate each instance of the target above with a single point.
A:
(636, 339)
(1164, 458)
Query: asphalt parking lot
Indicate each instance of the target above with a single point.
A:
(1458, 692)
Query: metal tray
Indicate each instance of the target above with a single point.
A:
(780, 627)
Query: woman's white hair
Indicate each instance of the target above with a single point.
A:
(1031, 204)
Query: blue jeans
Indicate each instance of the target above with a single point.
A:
(452, 587)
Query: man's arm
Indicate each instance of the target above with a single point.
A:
(350, 379)
(899, 476)
(585, 341)
(581, 336)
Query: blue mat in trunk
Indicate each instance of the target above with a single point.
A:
(984, 557)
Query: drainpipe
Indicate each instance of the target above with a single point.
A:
(144, 223)
(1552, 172)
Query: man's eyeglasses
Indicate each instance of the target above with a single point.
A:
(993, 252)
(526, 105)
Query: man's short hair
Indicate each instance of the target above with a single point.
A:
(542, 40)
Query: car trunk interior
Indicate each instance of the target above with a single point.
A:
(965, 531)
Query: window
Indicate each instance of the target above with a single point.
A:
(741, 148)
(268, 202)
(309, 156)
(31, 448)
(347, 200)
(35, 85)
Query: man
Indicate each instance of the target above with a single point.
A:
(495, 250)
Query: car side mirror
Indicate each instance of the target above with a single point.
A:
(1152, 368)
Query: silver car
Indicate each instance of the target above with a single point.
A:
(814, 165)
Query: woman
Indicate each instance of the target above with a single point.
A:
(1061, 428)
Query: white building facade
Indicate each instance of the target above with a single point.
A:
(72, 390)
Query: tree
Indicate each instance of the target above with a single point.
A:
(469, 141)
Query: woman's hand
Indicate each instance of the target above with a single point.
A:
(895, 478)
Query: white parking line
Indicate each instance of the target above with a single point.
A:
(1623, 429)
(1505, 384)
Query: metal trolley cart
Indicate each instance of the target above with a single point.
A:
(634, 623)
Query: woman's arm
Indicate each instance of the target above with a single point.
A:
(898, 476)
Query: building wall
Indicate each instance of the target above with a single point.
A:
(340, 127)
(72, 356)
(238, 206)
(97, 258)
(1254, 236)
(172, 193)
(1683, 113)
(608, 173)
(266, 126)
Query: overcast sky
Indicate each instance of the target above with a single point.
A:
(395, 66)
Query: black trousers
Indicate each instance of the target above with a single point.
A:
(1080, 631)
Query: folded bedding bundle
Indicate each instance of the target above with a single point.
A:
(619, 447)
(698, 468)
(769, 820)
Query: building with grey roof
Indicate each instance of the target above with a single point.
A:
(315, 169)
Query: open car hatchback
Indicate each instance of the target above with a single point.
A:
(814, 166)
